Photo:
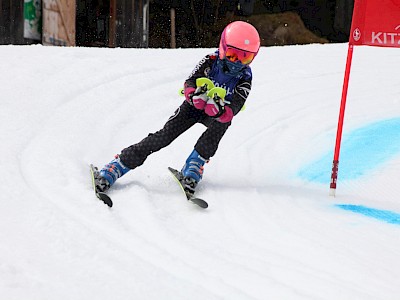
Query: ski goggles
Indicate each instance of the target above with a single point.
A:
(234, 55)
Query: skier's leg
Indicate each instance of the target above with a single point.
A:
(208, 142)
(184, 118)
(133, 156)
(205, 148)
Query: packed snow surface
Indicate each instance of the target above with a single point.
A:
(271, 231)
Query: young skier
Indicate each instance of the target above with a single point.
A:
(228, 68)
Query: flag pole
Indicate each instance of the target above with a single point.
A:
(335, 164)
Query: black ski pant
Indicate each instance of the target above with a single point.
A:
(184, 117)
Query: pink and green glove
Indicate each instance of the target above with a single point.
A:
(217, 109)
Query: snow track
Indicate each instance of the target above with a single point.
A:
(271, 231)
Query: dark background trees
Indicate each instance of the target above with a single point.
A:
(198, 23)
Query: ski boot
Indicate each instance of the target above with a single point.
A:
(192, 172)
(110, 173)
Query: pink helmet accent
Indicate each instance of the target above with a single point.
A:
(240, 35)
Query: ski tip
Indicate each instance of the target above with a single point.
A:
(174, 172)
(199, 202)
(105, 198)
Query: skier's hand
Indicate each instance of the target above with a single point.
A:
(216, 108)
(188, 92)
(200, 98)
(226, 116)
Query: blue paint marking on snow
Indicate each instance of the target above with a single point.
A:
(382, 215)
(362, 150)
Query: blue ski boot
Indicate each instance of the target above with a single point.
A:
(110, 173)
(192, 171)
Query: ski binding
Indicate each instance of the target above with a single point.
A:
(190, 197)
(100, 195)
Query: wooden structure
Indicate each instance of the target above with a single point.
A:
(59, 22)
(98, 23)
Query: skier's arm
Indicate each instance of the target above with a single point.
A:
(198, 71)
(240, 95)
(223, 111)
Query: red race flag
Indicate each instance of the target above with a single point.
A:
(376, 23)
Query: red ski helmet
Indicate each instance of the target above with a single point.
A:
(239, 41)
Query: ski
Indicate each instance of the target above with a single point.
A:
(178, 176)
(100, 195)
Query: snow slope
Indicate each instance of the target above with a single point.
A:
(271, 231)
